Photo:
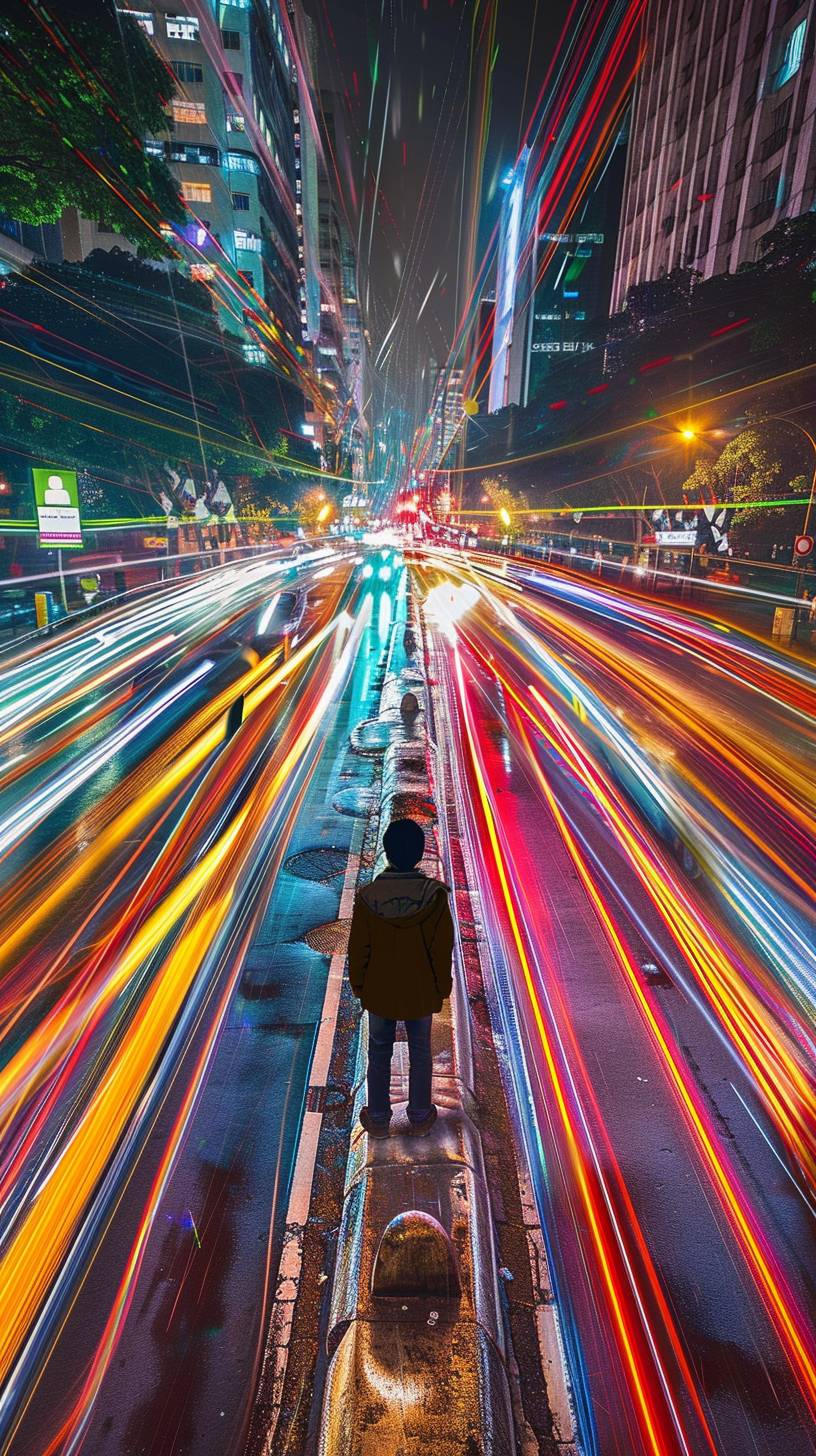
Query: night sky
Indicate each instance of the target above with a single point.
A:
(424, 55)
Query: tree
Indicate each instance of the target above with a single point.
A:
(500, 497)
(79, 90)
(659, 296)
(791, 244)
(108, 389)
(314, 508)
(746, 470)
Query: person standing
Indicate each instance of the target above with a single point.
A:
(399, 960)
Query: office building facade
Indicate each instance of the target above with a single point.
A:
(722, 143)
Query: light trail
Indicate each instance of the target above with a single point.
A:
(645, 730)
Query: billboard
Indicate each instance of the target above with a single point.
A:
(56, 496)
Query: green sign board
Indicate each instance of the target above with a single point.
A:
(56, 495)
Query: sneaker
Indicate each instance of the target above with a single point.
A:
(419, 1129)
(374, 1129)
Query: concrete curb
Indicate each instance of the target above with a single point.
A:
(414, 1373)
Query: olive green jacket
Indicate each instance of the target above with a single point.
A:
(401, 945)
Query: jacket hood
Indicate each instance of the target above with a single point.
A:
(405, 895)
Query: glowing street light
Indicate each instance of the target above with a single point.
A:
(324, 513)
(687, 433)
(504, 516)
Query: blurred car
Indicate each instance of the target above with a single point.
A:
(280, 616)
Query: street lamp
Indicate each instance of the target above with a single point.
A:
(505, 517)
(688, 434)
(324, 513)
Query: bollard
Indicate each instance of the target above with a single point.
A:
(43, 607)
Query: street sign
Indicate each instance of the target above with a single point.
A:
(803, 545)
(676, 538)
(56, 495)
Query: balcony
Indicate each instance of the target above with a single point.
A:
(773, 143)
(761, 211)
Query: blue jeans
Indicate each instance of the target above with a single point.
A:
(381, 1033)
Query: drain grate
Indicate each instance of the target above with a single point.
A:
(329, 939)
(321, 864)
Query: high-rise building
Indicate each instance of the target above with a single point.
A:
(722, 143)
(307, 171)
(231, 147)
(504, 388)
(446, 415)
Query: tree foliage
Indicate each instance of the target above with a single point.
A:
(496, 493)
(78, 91)
(96, 381)
(310, 508)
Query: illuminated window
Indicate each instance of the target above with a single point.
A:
(153, 148)
(182, 27)
(242, 162)
(247, 242)
(190, 113)
(196, 191)
(794, 50)
(187, 72)
(253, 354)
(240, 201)
(194, 153)
(144, 18)
(231, 40)
(235, 121)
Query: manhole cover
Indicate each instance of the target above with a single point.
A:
(321, 864)
(356, 800)
(330, 939)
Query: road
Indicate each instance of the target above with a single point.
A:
(636, 786)
(159, 1004)
(634, 783)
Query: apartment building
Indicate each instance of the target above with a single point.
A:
(722, 143)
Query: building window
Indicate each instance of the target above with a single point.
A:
(240, 201)
(247, 242)
(187, 72)
(153, 148)
(235, 121)
(247, 275)
(144, 18)
(194, 153)
(231, 40)
(189, 113)
(196, 191)
(242, 162)
(182, 27)
(794, 50)
(234, 80)
(780, 121)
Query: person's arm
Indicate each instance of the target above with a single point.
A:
(440, 950)
(359, 948)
